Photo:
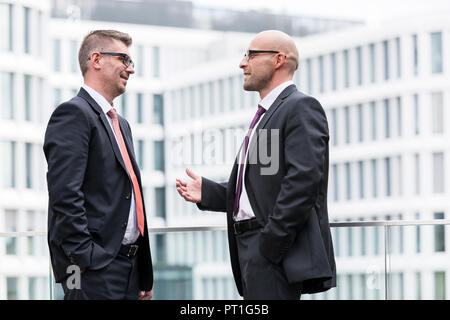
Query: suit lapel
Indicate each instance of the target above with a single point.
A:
(83, 94)
(275, 105)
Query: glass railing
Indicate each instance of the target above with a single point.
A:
(375, 260)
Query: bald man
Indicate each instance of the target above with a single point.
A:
(278, 230)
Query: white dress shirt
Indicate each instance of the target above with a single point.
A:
(245, 209)
(132, 231)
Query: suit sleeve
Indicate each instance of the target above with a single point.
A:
(66, 148)
(214, 196)
(305, 146)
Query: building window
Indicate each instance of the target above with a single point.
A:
(309, 74)
(141, 153)
(387, 164)
(436, 52)
(415, 55)
(160, 202)
(57, 55)
(347, 124)
(183, 112)
(418, 235)
(374, 167)
(334, 120)
(359, 109)
(158, 109)
(139, 61)
(32, 288)
(158, 155)
(6, 27)
(27, 30)
(156, 62)
(11, 226)
(399, 116)
(27, 97)
(211, 97)
(232, 91)
(439, 285)
(438, 172)
(201, 99)
(399, 57)
(73, 56)
(346, 69)
(57, 97)
(417, 172)
(192, 105)
(359, 65)
(9, 164)
(348, 181)
(336, 183)
(221, 96)
(439, 234)
(437, 112)
(387, 119)
(361, 179)
(7, 95)
(333, 71)
(139, 108)
(386, 59)
(12, 288)
(28, 165)
(373, 118)
(321, 75)
(372, 62)
(418, 286)
(416, 114)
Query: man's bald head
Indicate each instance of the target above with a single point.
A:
(279, 41)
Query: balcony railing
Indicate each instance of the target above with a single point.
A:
(392, 259)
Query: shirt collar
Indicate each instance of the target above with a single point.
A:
(101, 101)
(273, 95)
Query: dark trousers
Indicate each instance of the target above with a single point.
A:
(262, 279)
(117, 281)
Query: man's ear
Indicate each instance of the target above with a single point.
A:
(280, 60)
(95, 60)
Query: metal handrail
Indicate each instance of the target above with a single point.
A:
(378, 223)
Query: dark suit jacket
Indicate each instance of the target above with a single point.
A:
(291, 204)
(89, 189)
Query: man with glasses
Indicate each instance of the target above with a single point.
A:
(97, 228)
(278, 230)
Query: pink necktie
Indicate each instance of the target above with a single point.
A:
(126, 158)
(258, 115)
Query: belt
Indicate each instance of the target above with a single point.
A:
(242, 226)
(128, 250)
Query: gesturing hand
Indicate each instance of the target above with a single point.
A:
(192, 190)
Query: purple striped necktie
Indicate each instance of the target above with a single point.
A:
(255, 120)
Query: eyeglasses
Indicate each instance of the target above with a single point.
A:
(250, 53)
(125, 58)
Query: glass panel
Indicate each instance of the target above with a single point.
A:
(360, 265)
(192, 265)
(436, 52)
(419, 271)
(26, 274)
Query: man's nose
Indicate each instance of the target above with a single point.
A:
(130, 69)
(243, 63)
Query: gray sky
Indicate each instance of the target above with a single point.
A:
(368, 10)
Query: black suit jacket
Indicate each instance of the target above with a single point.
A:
(290, 204)
(89, 189)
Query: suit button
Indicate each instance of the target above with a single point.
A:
(128, 195)
(124, 225)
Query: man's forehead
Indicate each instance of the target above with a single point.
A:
(119, 46)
